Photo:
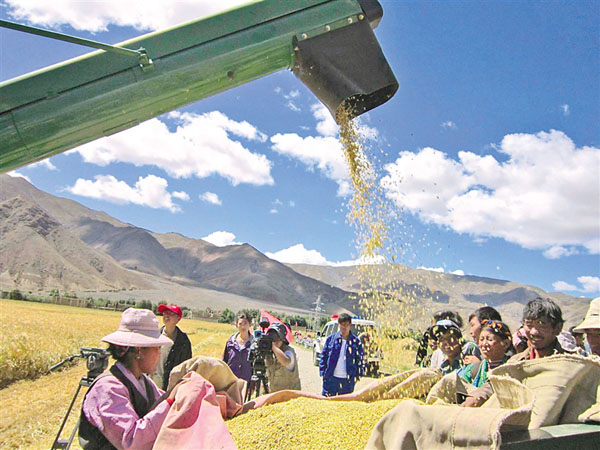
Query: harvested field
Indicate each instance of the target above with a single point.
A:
(44, 334)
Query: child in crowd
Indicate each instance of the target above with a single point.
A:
(449, 336)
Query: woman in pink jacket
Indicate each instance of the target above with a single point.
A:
(123, 408)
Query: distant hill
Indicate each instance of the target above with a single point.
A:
(37, 252)
(148, 258)
(48, 242)
(434, 291)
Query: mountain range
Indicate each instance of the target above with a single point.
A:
(48, 242)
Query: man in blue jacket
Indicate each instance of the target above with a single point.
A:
(341, 362)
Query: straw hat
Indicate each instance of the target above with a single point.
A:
(592, 317)
(138, 328)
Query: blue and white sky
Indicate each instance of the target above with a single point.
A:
(490, 148)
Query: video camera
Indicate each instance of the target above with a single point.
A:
(261, 347)
(97, 362)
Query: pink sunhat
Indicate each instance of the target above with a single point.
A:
(138, 328)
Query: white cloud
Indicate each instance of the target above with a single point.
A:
(277, 202)
(291, 105)
(273, 211)
(432, 269)
(45, 163)
(563, 286)
(181, 195)
(210, 197)
(221, 238)
(565, 109)
(200, 146)
(458, 272)
(97, 15)
(589, 284)
(448, 125)
(316, 152)
(326, 124)
(150, 191)
(298, 254)
(291, 203)
(525, 199)
(322, 152)
(558, 251)
(295, 93)
(15, 174)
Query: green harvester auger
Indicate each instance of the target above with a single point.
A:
(328, 44)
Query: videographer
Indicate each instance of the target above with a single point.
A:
(282, 367)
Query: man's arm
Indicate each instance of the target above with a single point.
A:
(360, 359)
(324, 356)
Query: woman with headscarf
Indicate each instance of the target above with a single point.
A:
(495, 343)
(123, 408)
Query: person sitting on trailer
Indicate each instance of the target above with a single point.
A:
(591, 327)
(120, 409)
(495, 343)
(542, 323)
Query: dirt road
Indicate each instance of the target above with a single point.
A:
(309, 374)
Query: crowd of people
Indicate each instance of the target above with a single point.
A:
(126, 406)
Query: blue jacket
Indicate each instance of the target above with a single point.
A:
(330, 354)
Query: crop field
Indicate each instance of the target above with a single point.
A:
(36, 336)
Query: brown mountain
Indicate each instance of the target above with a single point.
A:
(49, 242)
(236, 269)
(37, 252)
(433, 291)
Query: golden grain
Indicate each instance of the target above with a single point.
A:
(308, 424)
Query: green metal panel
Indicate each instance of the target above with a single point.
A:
(65, 105)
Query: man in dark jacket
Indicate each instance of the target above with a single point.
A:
(181, 349)
(341, 362)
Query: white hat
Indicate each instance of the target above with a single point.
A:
(138, 328)
(592, 317)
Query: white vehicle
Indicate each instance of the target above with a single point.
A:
(362, 328)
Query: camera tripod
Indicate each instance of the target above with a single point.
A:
(259, 377)
(97, 361)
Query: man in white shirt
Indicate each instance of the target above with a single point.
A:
(341, 362)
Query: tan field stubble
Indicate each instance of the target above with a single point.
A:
(34, 407)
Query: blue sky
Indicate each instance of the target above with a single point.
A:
(489, 152)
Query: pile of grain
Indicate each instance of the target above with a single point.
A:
(309, 423)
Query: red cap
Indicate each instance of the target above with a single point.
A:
(173, 308)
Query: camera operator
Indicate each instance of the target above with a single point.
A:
(282, 367)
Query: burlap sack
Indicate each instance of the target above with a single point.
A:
(230, 389)
(413, 425)
(566, 388)
(529, 394)
(414, 383)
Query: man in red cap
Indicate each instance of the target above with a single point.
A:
(181, 349)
